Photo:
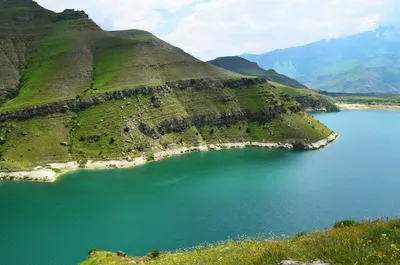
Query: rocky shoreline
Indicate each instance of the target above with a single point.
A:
(52, 171)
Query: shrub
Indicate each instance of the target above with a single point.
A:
(154, 254)
(301, 234)
(394, 224)
(345, 223)
(379, 232)
(93, 250)
(57, 170)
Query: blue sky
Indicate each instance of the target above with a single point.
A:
(212, 28)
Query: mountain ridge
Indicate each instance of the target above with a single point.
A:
(307, 98)
(363, 63)
(242, 66)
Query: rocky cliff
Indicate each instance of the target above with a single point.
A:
(79, 104)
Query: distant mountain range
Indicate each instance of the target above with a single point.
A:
(368, 62)
(242, 66)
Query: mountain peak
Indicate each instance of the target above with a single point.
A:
(69, 14)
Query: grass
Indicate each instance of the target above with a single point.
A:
(73, 58)
(110, 130)
(76, 59)
(298, 127)
(34, 142)
(309, 99)
(363, 243)
(242, 66)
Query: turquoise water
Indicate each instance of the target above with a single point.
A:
(182, 201)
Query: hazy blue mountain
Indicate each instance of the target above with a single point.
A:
(368, 62)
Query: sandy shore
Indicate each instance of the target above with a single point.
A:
(51, 172)
(368, 107)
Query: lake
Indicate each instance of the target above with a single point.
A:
(191, 199)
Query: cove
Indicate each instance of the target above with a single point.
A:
(191, 199)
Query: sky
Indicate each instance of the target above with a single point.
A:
(211, 28)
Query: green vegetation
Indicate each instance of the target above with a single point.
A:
(34, 142)
(365, 243)
(309, 99)
(48, 57)
(73, 57)
(111, 130)
(345, 223)
(385, 100)
(242, 66)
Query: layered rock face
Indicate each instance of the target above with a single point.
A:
(81, 104)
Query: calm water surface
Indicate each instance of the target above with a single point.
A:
(182, 201)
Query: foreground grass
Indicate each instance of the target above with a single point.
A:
(367, 243)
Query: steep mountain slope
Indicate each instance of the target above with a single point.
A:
(308, 99)
(70, 56)
(242, 66)
(73, 92)
(364, 63)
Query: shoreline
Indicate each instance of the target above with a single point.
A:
(365, 107)
(52, 171)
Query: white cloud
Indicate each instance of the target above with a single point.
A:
(121, 14)
(224, 27)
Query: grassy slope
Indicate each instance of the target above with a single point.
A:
(242, 66)
(308, 98)
(74, 57)
(21, 24)
(90, 132)
(367, 243)
(132, 58)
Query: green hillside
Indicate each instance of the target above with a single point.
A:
(73, 92)
(367, 243)
(308, 99)
(242, 66)
(364, 63)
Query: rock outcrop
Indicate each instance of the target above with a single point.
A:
(69, 14)
(179, 125)
(310, 102)
(81, 104)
